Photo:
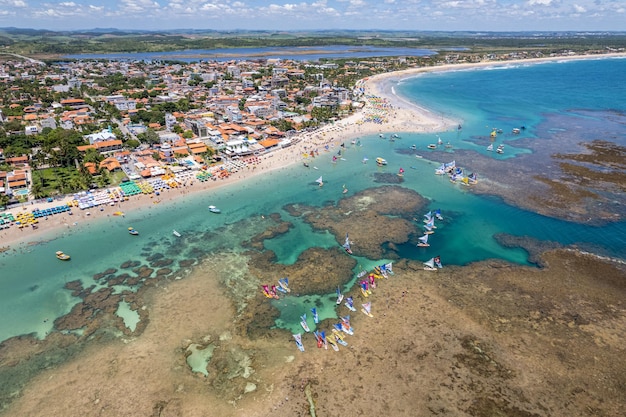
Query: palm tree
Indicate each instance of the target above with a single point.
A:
(37, 190)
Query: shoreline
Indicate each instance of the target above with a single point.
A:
(399, 115)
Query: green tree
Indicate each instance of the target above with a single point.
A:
(150, 137)
(37, 190)
(132, 143)
(92, 155)
(4, 200)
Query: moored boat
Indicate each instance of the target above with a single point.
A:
(270, 292)
(304, 324)
(346, 245)
(214, 209)
(332, 341)
(62, 256)
(298, 338)
(365, 288)
(284, 284)
(381, 161)
(429, 265)
(316, 317)
(175, 233)
(339, 335)
(346, 327)
(423, 241)
(133, 231)
(350, 304)
(339, 296)
(367, 309)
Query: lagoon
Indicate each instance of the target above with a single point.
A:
(228, 54)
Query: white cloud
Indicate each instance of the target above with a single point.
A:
(15, 3)
(318, 14)
(138, 6)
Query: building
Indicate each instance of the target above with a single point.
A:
(121, 103)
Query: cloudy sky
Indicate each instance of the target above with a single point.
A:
(448, 15)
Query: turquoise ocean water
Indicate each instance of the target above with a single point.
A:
(31, 283)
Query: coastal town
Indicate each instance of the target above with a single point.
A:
(182, 316)
(70, 127)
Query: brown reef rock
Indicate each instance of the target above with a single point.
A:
(372, 218)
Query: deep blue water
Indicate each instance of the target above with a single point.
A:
(516, 94)
(31, 283)
(229, 54)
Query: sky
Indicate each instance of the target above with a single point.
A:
(445, 15)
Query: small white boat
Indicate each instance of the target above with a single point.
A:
(381, 161)
(304, 324)
(367, 309)
(423, 241)
(339, 296)
(298, 339)
(432, 146)
(176, 233)
(62, 256)
(490, 147)
(214, 209)
(429, 265)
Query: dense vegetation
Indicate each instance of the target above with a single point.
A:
(43, 42)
